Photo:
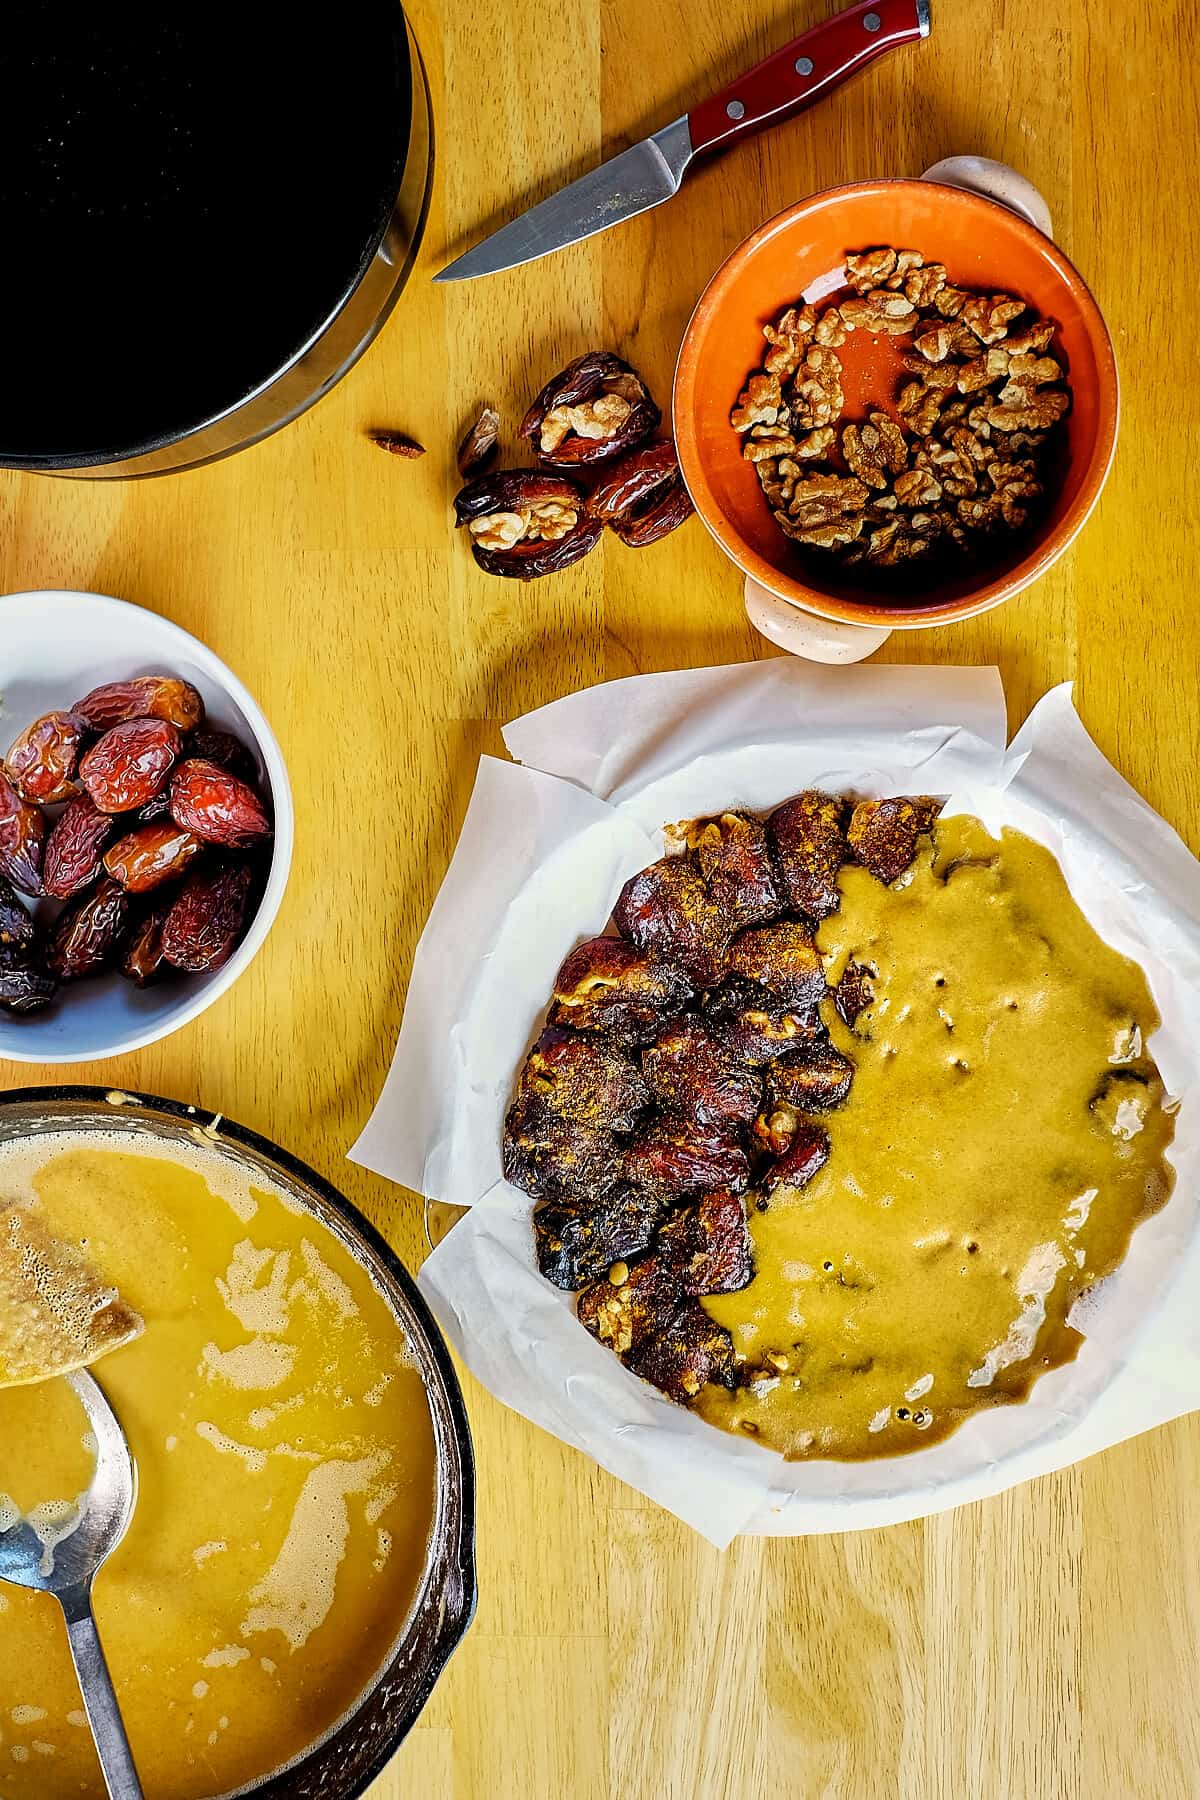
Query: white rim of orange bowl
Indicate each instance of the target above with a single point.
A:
(283, 843)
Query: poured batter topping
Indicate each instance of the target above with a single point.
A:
(1004, 1134)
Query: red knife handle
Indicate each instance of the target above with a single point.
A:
(806, 69)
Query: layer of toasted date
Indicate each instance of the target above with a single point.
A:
(672, 1096)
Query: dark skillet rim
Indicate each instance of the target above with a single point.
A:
(409, 80)
(455, 1621)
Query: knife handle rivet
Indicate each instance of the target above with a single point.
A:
(871, 21)
(735, 110)
(804, 65)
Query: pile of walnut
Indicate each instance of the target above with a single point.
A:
(597, 415)
(674, 1085)
(154, 844)
(969, 457)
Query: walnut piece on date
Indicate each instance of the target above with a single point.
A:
(593, 409)
(525, 523)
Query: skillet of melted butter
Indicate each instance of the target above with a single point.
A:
(1005, 1133)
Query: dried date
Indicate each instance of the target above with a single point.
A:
(209, 801)
(478, 449)
(84, 937)
(666, 911)
(41, 764)
(815, 1081)
(152, 854)
(593, 409)
(578, 1242)
(545, 1154)
(75, 847)
(142, 958)
(525, 523)
(145, 697)
(706, 1247)
(783, 959)
(16, 924)
(209, 918)
(642, 498)
(691, 1074)
(755, 1025)
(806, 836)
(22, 840)
(690, 1352)
(222, 748)
(606, 985)
(804, 1157)
(25, 986)
(128, 765)
(582, 1077)
(883, 834)
(676, 1157)
(626, 1315)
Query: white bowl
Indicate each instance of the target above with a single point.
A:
(54, 646)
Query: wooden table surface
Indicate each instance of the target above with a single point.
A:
(1041, 1645)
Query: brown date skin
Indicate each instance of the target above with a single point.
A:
(643, 497)
(128, 765)
(152, 854)
(25, 986)
(480, 445)
(707, 1246)
(207, 800)
(672, 509)
(41, 764)
(16, 925)
(209, 918)
(84, 937)
(807, 1153)
(145, 697)
(583, 380)
(508, 490)
(142, 960)
(74, 848)
(221, 747)
(22, 840)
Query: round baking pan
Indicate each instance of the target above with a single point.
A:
(351, 1755)
(207, 216)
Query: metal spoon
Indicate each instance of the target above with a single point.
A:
(65, 1567)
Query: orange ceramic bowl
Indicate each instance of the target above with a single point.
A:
(801, 252)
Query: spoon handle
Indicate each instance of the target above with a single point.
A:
(99, 1696)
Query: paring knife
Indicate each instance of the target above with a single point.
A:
(650, 172)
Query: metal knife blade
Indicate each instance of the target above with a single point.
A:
(627, 184)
